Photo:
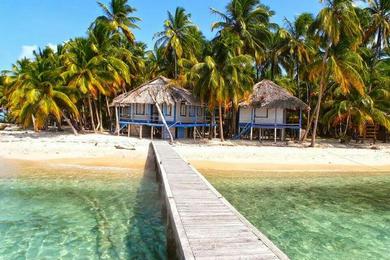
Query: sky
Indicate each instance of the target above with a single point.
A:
(29, 24)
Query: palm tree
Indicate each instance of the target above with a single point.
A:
(379, 24)
(179, 37)
(84, 71)
(336, 22)
(250, 21)
(222, 78)
(37, 92)
(118, 16)
(355, 110)
(298, 45)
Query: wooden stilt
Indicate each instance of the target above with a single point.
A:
(251, 134)
(194, 133)
(283, 134)
(151, 133)
(260, 134)
(140, 132)
(128, 130)
(275, 130)
(117, 127)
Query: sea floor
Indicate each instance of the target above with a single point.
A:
(79, 213)
(314, 215)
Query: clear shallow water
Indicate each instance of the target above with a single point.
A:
(79, 214)
(324, 216)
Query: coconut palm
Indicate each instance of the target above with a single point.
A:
(36, 92)
(222, 78)
(249, 20)
(299, 46)
(335, 23)
(118, 16)
(179, 38)
(379, 24)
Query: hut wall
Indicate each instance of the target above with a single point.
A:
(262, 115)
(190, 114)
(129, 112)
(169, 113)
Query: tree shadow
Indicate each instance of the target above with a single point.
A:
(146, 237)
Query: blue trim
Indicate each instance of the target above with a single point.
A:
(124, 122)
(271, 126)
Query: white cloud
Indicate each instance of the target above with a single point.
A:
(52, 46)
(27, 51)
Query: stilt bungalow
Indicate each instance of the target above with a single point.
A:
(269, 111)
(159, 105)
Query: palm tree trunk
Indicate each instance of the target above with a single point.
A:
(347, 124)
(34, 124)
(91, 114)
(322, 87)
(100, 113)
(175, 57)
(211, 133)
(109, 113)
(67, 120)
(297, 78)
(220, 122)
(97, 115)
(164, 122)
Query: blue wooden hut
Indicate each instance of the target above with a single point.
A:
(267, 108)
(159, 105)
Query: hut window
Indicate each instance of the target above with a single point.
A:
(140, 109)
(199, 111)
(168, 110)
(261, 113)
(183, 109)
(192, 111)
(125, 111)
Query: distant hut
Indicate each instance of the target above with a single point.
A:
(159, 105)
(267, 108)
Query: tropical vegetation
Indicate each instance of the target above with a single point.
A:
(338, 61)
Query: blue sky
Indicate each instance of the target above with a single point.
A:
(29, 24)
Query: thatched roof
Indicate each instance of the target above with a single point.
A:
(269, 95)
(161, 89)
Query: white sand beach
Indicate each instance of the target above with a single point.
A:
(102, 150)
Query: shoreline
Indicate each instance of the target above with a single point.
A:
(101, 150)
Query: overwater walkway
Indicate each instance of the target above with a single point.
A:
(204, 224)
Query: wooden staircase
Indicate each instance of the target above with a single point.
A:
(370, 133)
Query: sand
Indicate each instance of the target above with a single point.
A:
(101, 150)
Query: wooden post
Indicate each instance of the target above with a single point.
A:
(260, 130)
(275, 130)
(151, 133)
(117, 127)
(252, 122)
(128, 130)
(140, 132)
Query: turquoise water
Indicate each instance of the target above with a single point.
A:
(80, 214)
(324, 216)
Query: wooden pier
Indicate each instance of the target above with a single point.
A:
(203, 224)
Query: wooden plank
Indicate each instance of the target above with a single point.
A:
(206, 225)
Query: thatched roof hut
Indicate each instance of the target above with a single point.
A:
(160, 89)
(267, 94)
